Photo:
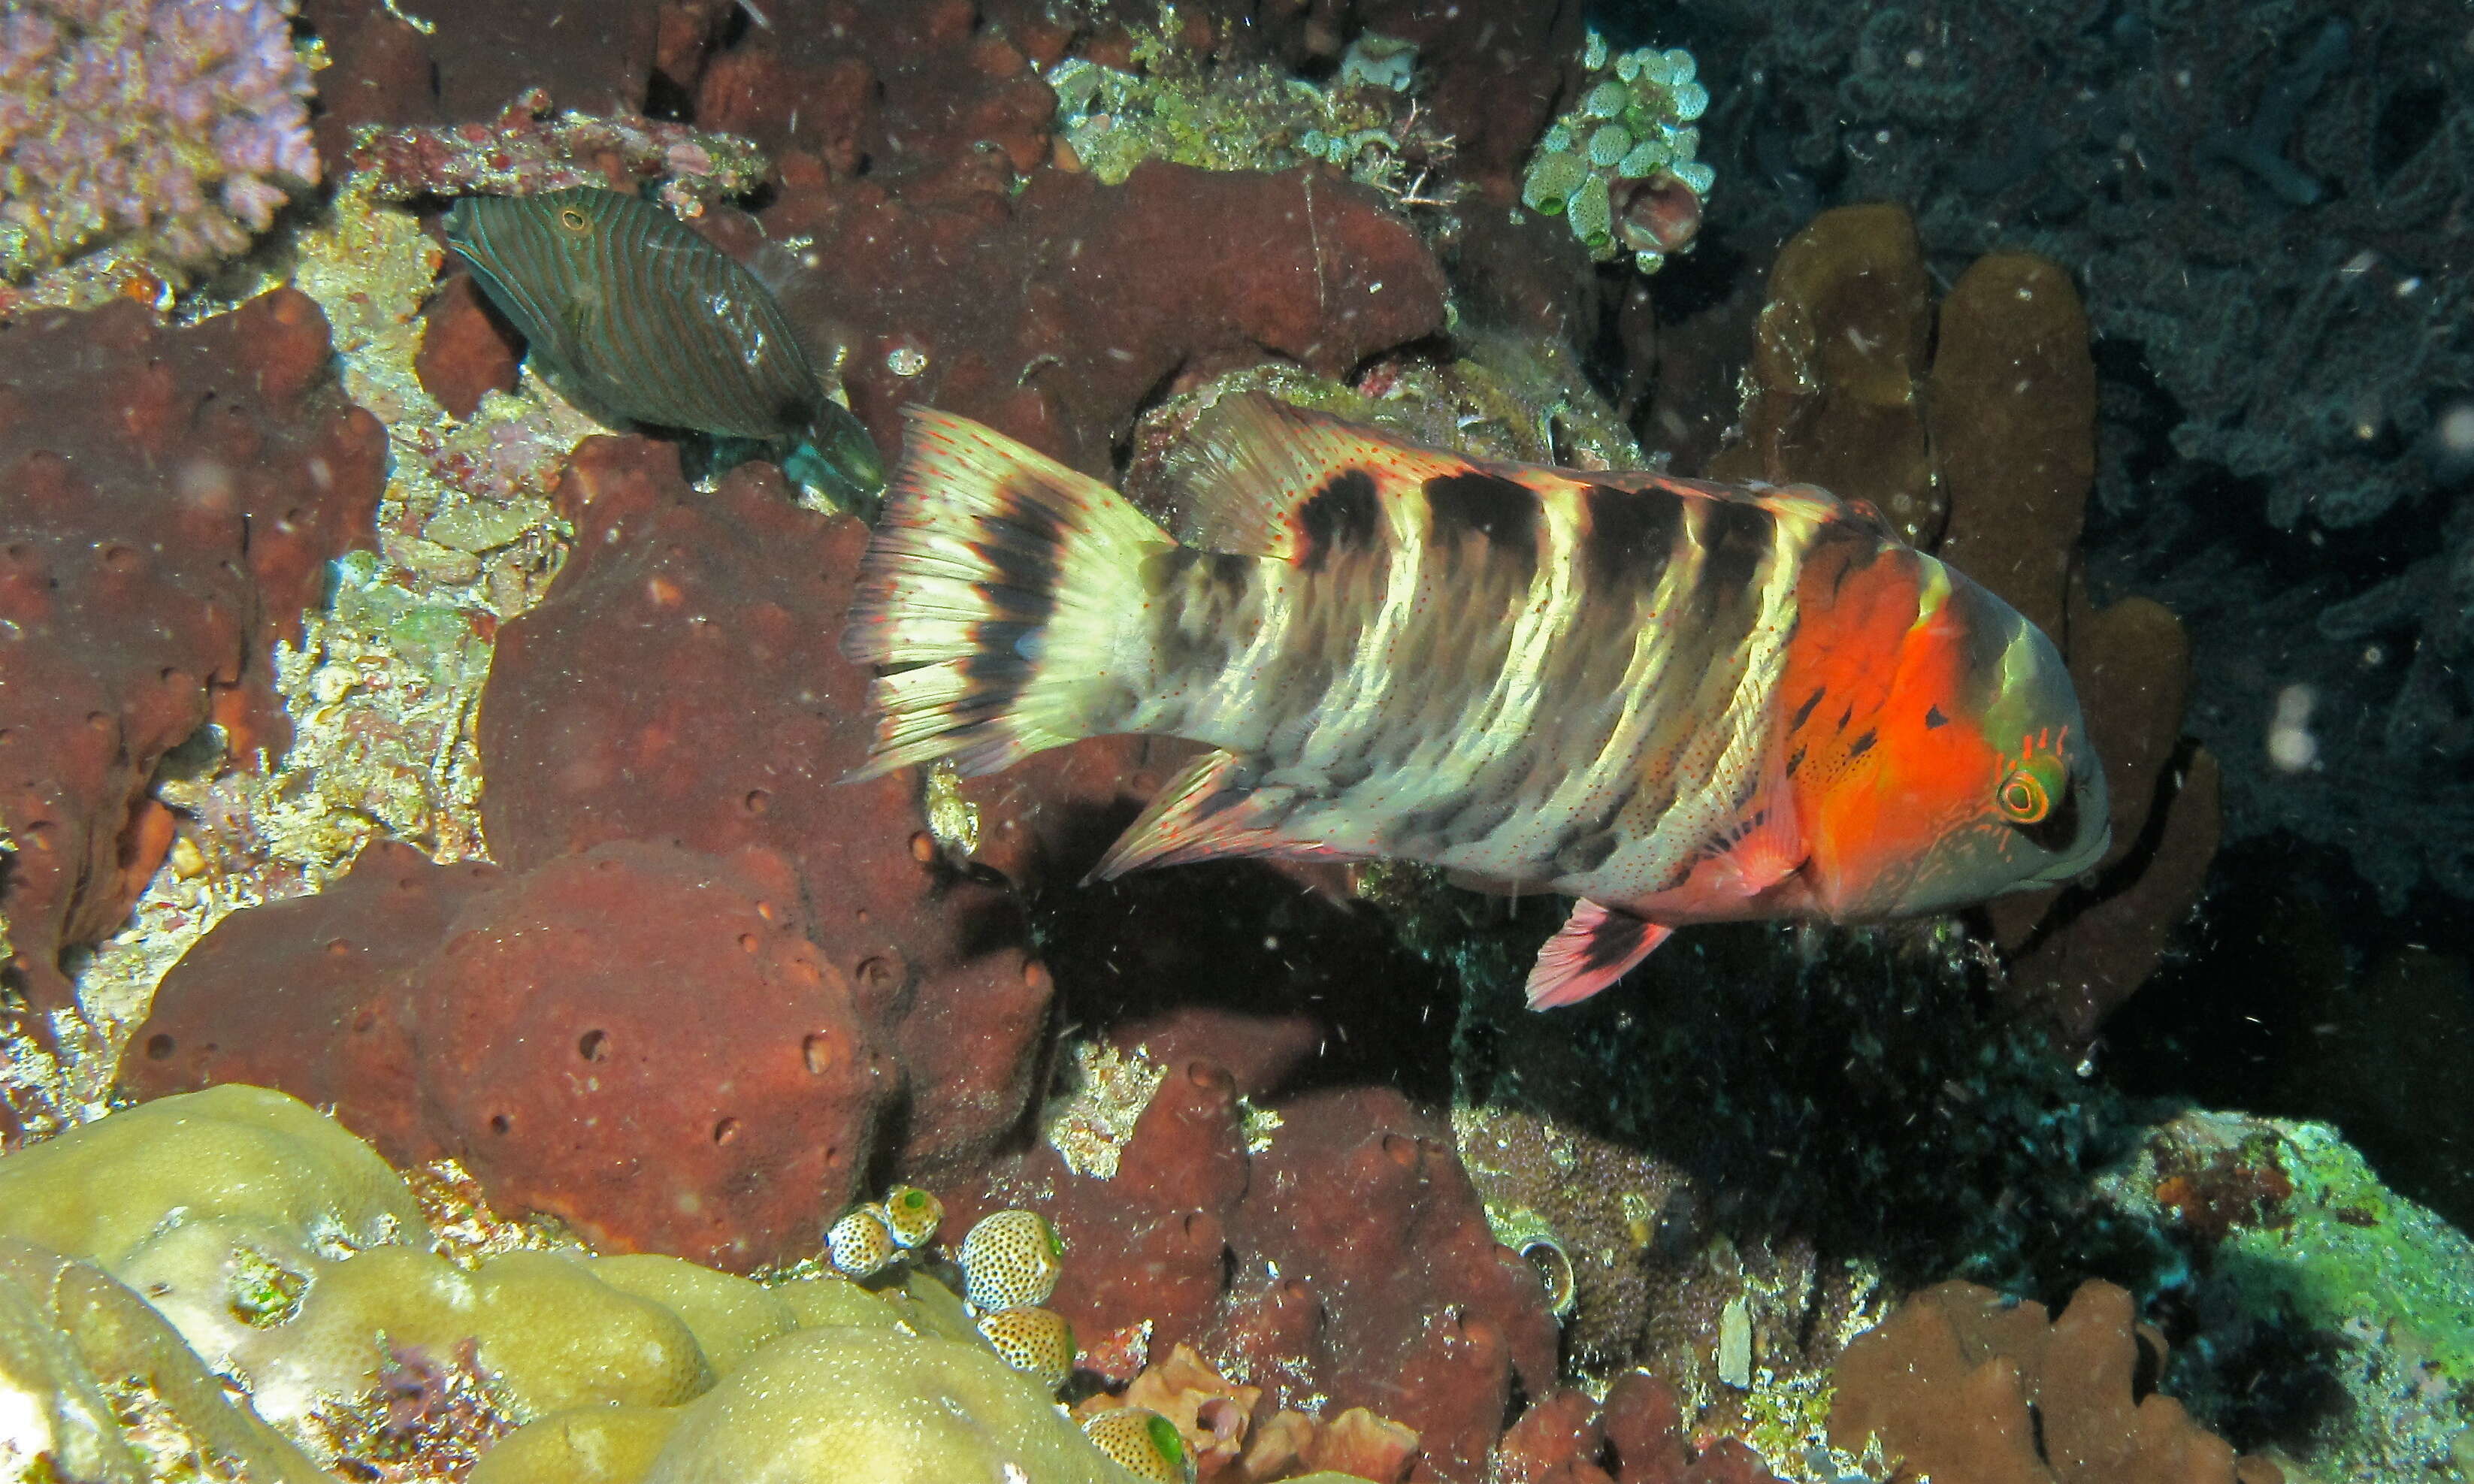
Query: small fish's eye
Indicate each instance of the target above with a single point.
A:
(571, 219)
(2022, 797)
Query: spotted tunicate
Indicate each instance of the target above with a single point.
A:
(1146, 1443)
(1035, 1341)
(1010, 1261)
(860, 1244)
(911, 1215)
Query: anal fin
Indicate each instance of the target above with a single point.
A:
(1769, 850)
(1217, 809)
(1596, 946)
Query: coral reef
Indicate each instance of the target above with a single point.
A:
(1961, 1383)
(171, 128)
(2331, 1313)
(1347, 1265)
(530, 148)
(598, 725)
(100, 1387)
(172, 497)
(881, 981)
(1297, 266)
(528, 1030)
(1182, 106)
(278, 1249)
(456, 62)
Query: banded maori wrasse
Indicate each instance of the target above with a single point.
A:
(1676, 701)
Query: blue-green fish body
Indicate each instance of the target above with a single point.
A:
(654, 324)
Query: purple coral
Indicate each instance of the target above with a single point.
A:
(175, 128)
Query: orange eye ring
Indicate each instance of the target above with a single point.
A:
(571, 219)
(2022, 798)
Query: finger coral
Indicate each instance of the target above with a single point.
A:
(175, 128)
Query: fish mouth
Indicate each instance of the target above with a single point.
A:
(456, 226)
(2068, 868)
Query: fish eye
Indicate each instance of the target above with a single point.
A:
(2022, 798)
(570, 218)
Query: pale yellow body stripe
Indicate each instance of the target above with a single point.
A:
(1351, 710)
(1765, 660)
(1707, 796)
(1502, 722)
(1247, 675)
(1653, 645)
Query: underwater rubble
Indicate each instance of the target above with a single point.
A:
(451, 993)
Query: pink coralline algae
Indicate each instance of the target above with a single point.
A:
(531, 148)
(176, 128)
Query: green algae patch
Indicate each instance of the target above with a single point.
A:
(2349, 1254)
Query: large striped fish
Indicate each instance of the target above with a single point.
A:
(659, 327)
(1676, 701)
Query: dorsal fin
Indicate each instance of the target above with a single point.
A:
(1264, 478)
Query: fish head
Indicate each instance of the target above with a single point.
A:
(1963, 770)
(535, 256)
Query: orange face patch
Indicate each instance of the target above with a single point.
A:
(1886, 757)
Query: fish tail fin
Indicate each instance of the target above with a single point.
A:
(994, 591)
(834, 454)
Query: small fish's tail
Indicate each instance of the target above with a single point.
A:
(836, 456)
(994, 589)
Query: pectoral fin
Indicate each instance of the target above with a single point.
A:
(1596, 946)
(1217, 809)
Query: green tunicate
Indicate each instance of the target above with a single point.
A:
(1628, 67)
(1690, 100)
(1312, 141)
(1695, 173)
(1593, 52)
(1558, 141)
(1609, 145)
(1592, 214)
(1656, 69)
(1639, 119)
(1643, 160)
(1684, 143)
(1551, 181)
(1680, 66)
(1607, 99)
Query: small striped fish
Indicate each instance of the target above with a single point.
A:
(1676, 701)
(658, 325)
